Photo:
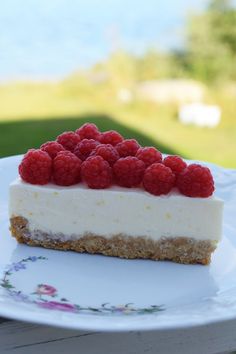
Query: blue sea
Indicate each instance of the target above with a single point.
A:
(48, 39)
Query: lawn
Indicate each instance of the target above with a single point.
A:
(32, 113)
(18, 136)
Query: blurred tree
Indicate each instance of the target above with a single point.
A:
(209, 54)
(211, 43)
(153, 65)
(121, 69)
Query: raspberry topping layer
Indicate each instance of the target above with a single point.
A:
(129, 171)
(175, 163)
(89, 131)
(36, 167)
(127, 147)
(85, 147)
(111, 137)
(158, 179)
(149, 155)
(101, 159)
(66, 169)
(196, 181)
(107, 152)
(52, 148)
(96, 172)
(69, 140)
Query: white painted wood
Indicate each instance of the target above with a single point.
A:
(23, 338)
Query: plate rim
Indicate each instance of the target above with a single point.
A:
(80, 323)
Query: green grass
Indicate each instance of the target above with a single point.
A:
(18, 136)
(32, 113)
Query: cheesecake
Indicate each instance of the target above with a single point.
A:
(130, 206)
(128, 223)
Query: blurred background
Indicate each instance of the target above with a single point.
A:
(161, 71)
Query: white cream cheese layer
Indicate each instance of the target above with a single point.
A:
(78, 210)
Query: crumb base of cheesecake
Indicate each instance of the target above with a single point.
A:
(179, 249)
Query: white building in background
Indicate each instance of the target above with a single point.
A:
(187, 94)
(200, 114)
(125, 95)
(171, 91)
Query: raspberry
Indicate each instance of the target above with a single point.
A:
(36, 167)
(96, 172)
(158, 179)
(52, 148)
(149, 155)
(196, 181)
(84, 148)
(66, 169)
(111, 137)
(88, 131)
(175, 163)
(68, 140)
(107, 152)
(128, 171)
(128, 147)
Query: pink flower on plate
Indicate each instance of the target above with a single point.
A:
(54, 305)
(44, 289)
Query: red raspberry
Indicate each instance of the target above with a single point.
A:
(52, 148)
(68, 140)
(107, 152)
(175, 163)
(149, 155)
(128, 147)
(111, 137)
(96, 172)
(129, 171)
(84, 148)
(158, 179)
(88, 131)
(196, 181)
(36, 167)
(66, 169)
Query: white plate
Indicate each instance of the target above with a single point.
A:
(93, 292)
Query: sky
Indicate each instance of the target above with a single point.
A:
(42, 39)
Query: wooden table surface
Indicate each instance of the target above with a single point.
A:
(25, 338)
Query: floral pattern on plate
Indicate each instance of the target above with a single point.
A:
(44, 294)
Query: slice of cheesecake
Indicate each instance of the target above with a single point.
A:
(128, 223)
(100, 193)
